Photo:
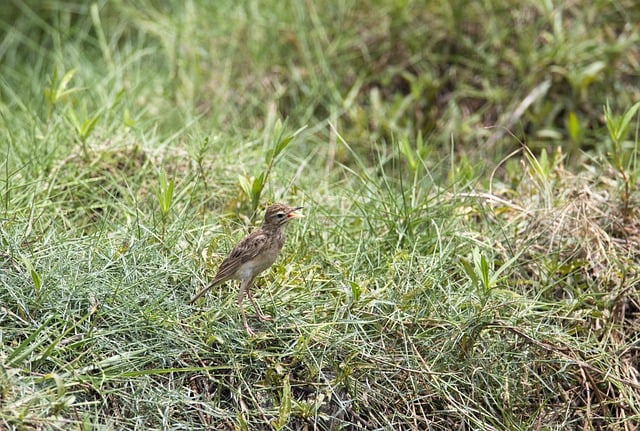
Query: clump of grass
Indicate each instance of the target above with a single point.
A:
(575, 251)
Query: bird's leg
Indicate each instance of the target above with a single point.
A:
(244, 287)
(259, 315)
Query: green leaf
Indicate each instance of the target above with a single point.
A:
(37, 280)
(73, 119)
(87, 127)
(282, 144)
(573, 126)
(408, 153)
(50, 92)
(284, 412)
(165, 194)
(245, 185)
(545, 166)
(468, 269)
(277, 137)
(35, 276)
(482, 269)
(590, 73)
(626, 120)
(618, 127)
(127, 120)
(539, 165)
(257, 186)
(356, 291)
(62, 91)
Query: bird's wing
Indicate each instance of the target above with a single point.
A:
(244, 251)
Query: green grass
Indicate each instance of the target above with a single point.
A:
(468, 254)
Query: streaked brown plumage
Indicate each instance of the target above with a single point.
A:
(255, 253)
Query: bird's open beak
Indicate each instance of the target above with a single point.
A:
(292, 213)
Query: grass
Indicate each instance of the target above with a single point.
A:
(468, 254)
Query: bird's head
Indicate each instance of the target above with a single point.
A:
(280, 214)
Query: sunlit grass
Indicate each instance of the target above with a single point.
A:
(434, 283)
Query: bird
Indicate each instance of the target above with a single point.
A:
(252, 255)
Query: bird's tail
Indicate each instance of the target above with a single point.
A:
(202, 292)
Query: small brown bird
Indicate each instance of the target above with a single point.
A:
(255, 253)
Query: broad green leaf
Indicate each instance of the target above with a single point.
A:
(468, 269)
(245, 185)
(127, 120)
(590, 73)
(573, 126)
(165, 194)
(284, 412)
(62, 87)
(626, 120)
(282, 144)
(258, 185)
(88, 126)
(35, 276)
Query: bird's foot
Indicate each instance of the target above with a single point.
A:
(263, 317)
(249, 330)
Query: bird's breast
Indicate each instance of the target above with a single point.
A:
(255, 266)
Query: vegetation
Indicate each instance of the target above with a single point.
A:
(468, 257)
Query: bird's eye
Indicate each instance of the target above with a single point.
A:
(280, 215)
